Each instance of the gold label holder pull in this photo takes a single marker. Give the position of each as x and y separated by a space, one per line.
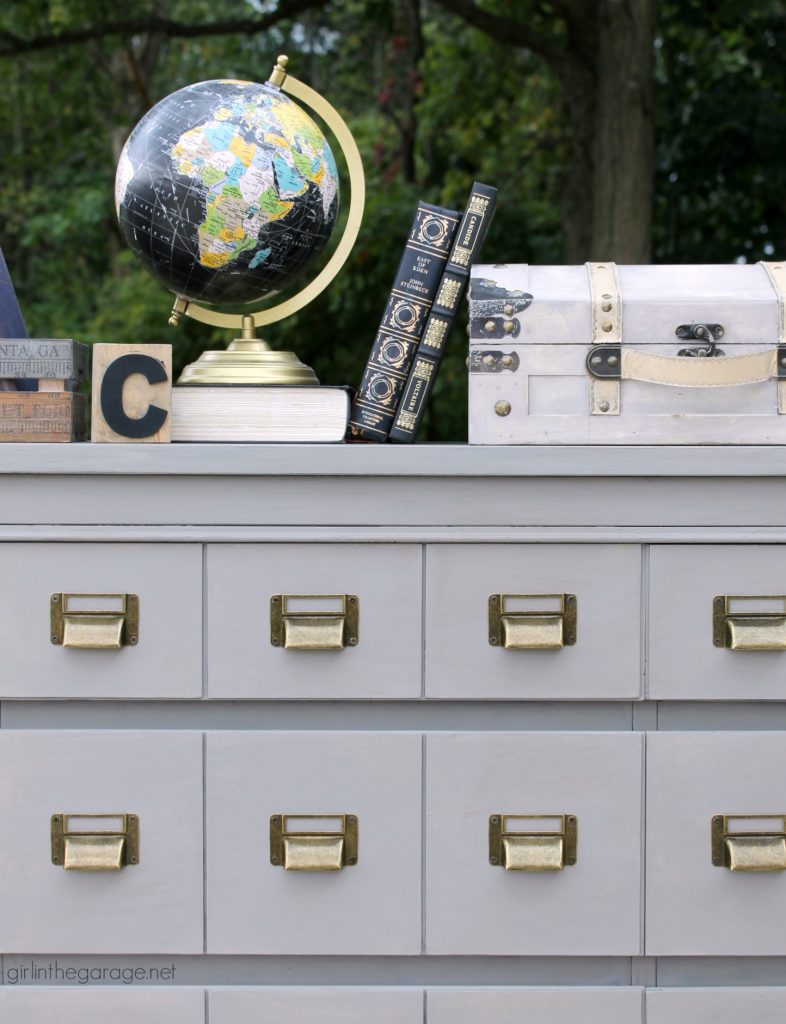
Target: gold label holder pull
749 623
94 842
313 842
533 842
531 622
749 842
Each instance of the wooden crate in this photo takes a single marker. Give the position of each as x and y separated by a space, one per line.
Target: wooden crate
32 416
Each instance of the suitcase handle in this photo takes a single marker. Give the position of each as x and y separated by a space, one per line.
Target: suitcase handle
609 362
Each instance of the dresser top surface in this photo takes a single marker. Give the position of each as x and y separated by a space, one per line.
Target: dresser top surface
422 460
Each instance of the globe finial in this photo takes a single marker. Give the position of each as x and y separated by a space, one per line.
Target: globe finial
279 74
178 310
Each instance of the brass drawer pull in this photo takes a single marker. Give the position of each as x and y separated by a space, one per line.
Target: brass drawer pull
95 842
533 842
749 842
313 842
98 622
532 622
749 623
314 622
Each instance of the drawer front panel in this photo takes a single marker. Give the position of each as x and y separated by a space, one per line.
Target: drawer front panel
685 664
604 661
316 1006
166 660
153 906
546 1006
78 1005
716 1006
372 906
243 662
590 907
694 906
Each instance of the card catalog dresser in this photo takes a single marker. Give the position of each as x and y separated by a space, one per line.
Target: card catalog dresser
341 735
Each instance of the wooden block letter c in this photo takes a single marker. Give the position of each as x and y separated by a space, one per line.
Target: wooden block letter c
117 373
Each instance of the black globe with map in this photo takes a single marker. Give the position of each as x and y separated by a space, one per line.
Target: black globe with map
225 191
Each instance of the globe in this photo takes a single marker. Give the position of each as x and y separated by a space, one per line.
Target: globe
226 191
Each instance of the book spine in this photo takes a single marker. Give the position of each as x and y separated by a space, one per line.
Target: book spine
428 246
428 355
12 323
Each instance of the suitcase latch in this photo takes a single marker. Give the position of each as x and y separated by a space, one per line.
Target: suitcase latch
708 333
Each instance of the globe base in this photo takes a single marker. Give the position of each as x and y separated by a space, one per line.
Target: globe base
250 362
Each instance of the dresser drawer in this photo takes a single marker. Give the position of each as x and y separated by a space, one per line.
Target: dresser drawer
544 1005
162 658
369 906
477 782
97 899
315 1005
466 653
685 663
716 1005
75 1004
695 906
379 657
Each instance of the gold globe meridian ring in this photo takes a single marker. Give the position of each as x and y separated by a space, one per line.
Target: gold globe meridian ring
248 360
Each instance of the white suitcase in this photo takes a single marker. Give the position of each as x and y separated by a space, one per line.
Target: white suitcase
601 354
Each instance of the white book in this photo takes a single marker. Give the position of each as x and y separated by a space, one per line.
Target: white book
260 413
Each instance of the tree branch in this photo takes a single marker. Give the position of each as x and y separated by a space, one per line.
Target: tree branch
12 45
509 30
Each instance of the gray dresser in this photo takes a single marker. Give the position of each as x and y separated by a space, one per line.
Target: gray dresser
339 734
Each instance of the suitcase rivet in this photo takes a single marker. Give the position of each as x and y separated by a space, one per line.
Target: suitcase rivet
508 326
606 307
612 360
608 326
488 360
502 408
508 361
604 406
508 310
488 326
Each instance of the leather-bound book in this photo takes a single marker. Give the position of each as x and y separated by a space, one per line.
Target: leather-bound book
414 287
428 355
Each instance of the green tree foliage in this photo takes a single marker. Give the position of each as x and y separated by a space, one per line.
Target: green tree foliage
433 103
721 179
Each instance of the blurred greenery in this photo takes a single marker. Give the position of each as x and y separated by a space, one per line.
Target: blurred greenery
434 104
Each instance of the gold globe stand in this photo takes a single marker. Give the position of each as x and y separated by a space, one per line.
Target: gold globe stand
248 359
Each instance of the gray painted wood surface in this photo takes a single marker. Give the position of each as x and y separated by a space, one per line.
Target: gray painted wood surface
165 662
83 1005
152 907
590 908
316 1006
372 907
170 496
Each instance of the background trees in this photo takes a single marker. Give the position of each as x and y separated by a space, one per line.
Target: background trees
623 129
